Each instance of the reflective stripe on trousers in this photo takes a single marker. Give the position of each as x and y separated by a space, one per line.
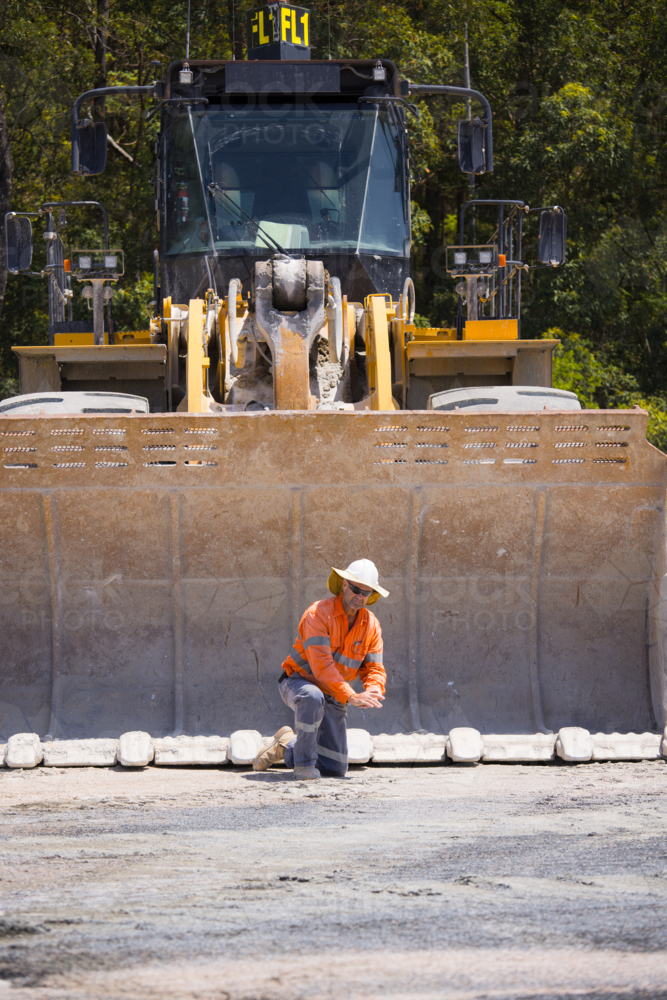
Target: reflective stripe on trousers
319 721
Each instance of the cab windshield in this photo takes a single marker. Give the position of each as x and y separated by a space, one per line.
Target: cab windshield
304 176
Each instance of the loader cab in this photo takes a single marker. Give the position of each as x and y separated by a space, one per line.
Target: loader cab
285 155
283 204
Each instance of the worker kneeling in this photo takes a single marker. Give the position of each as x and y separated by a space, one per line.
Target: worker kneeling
339 640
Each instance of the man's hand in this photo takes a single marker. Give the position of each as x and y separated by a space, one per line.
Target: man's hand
371 698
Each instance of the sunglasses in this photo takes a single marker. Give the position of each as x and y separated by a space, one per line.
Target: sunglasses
359 590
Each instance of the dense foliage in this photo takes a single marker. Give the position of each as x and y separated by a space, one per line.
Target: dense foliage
578 90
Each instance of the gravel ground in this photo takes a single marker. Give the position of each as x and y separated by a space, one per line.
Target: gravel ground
501 881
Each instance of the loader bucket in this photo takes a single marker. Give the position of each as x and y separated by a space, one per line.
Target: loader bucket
154 568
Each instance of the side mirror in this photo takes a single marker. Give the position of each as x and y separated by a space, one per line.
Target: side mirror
552 237
89 147
18 243
472 146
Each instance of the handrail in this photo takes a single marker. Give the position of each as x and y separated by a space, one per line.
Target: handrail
75 204
484 201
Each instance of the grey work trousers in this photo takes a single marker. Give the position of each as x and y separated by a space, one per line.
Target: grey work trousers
321 731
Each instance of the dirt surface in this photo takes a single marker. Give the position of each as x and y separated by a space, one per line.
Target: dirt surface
400 882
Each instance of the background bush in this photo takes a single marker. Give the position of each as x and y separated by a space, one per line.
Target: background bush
578 91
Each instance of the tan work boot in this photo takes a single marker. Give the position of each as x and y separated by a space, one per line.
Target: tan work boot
275 752
306 773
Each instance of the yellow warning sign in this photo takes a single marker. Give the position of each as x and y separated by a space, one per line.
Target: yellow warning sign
278 22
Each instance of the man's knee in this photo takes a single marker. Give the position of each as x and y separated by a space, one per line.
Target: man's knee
311 698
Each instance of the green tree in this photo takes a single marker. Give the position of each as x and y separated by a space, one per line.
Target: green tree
578 92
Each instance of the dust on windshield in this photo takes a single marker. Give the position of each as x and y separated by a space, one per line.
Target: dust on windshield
307 177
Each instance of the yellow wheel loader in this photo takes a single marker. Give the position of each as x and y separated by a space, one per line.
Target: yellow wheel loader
172 499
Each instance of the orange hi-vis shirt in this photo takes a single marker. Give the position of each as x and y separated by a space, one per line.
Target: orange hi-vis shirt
331 654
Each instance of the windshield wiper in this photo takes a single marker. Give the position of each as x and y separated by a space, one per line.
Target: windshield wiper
215 188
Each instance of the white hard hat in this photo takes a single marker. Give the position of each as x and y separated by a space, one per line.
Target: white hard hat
361 571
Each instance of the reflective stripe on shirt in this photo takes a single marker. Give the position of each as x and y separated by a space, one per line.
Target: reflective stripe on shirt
331 653
373 658
317 640
298 658
347 661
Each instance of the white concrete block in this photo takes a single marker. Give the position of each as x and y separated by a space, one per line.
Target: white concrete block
402 748
192 750
24 750
3 754
80 753
626 746
574 744
664 743
530 747
359 746
464 745
245 744
135 749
